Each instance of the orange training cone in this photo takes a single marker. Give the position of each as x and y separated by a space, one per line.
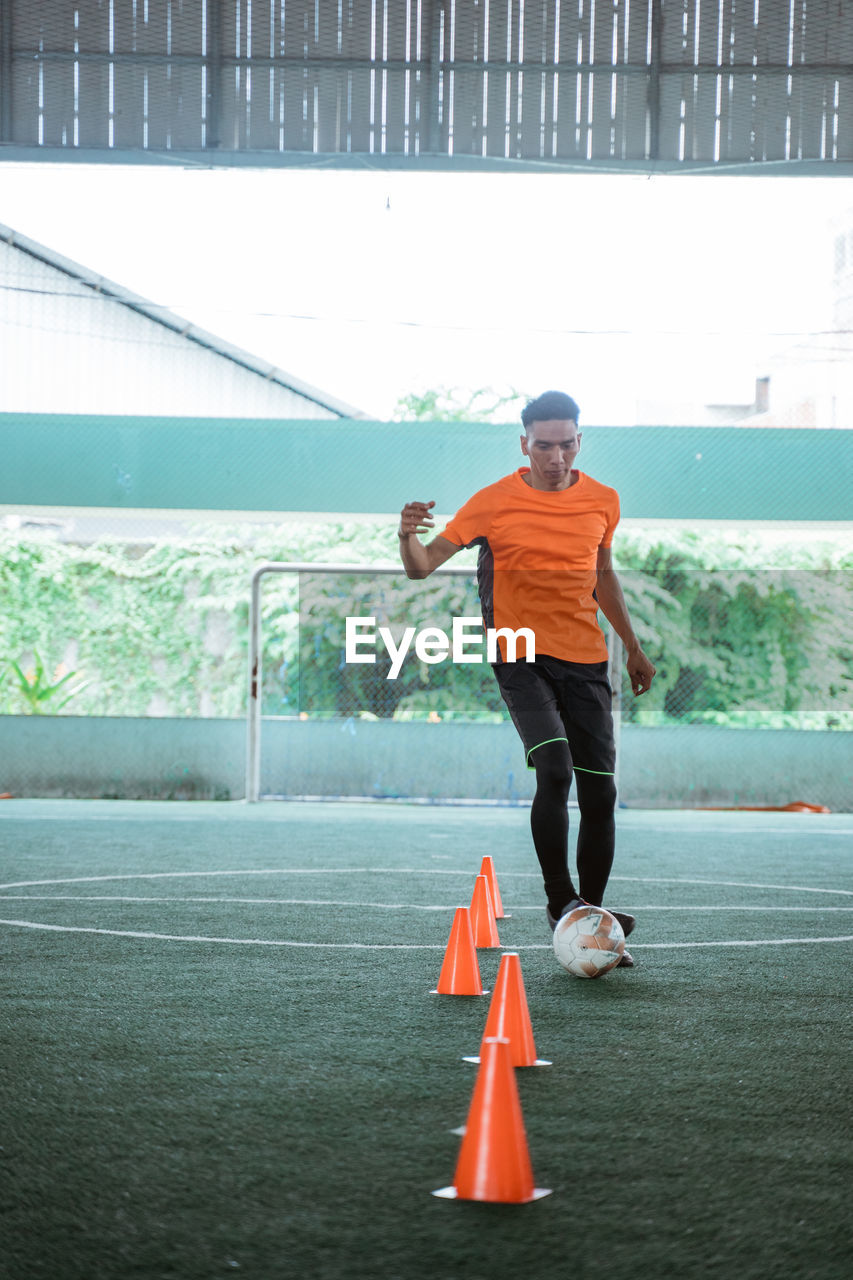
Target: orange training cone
460 972
483 915
494 1162
487 869
509 1016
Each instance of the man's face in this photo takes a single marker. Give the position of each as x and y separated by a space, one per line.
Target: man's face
551 448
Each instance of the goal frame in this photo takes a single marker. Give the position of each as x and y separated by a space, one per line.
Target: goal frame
253 716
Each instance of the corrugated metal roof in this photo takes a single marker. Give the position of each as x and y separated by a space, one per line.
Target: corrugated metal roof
551 83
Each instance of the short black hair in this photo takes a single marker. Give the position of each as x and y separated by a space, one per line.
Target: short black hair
551 404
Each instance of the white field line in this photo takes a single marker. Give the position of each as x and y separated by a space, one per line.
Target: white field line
395 946
408 871
239 942
379 906
271 902
788 823
689 832
732 884
745 942
261 871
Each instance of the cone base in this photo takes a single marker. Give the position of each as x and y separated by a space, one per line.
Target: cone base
450 1193
471 995
540 1062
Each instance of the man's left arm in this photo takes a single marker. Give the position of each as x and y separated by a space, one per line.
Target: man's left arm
611 602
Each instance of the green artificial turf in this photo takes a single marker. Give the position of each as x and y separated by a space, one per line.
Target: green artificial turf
195 1109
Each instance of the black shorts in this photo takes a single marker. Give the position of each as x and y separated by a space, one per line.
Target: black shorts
551 700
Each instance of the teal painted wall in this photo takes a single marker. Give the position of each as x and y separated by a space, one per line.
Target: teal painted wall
710 473
164 759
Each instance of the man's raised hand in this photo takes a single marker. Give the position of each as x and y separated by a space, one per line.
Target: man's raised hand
415 518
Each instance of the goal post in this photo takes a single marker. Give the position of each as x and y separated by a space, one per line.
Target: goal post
253 736
255 665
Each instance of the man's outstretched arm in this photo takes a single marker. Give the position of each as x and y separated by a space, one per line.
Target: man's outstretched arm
419 561
611 602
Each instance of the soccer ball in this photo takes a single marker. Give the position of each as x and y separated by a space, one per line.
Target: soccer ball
589 942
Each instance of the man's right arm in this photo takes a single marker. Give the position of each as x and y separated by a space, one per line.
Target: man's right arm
419 561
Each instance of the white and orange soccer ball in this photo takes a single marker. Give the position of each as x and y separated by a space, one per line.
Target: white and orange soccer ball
589 942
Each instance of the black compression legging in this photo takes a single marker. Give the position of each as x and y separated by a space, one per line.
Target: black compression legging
549 823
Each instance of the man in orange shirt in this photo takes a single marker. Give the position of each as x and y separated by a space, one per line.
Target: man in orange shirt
545 535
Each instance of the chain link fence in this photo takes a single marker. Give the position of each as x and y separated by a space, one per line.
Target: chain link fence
743 647
160 630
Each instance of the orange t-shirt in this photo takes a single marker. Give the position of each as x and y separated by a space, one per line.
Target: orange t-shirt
537 564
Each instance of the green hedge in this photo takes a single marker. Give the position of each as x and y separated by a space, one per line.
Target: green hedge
161 628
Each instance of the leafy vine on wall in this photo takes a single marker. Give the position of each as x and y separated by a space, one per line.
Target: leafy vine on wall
161 628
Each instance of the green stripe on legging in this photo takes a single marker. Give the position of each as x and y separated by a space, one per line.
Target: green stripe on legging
602 773
543 744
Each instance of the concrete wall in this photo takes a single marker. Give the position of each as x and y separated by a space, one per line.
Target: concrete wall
682 767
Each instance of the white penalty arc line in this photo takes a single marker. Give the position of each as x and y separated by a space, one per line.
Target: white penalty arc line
257 871
174 900
751 942
728 884
235 942
264 902
788 823
393 946
409 871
